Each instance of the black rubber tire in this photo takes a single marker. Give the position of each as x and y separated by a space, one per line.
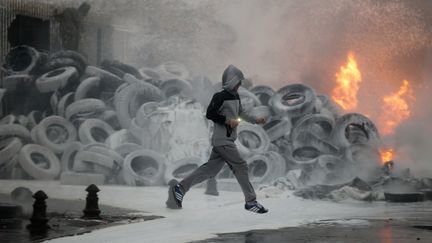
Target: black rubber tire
34 118
9 147
149 73
119 67
59 144
320 125
21 60
248 99
109 81
299 107
64 102
76 56
60 62
132 164
87 132
128 100
27 163
56 79
9 119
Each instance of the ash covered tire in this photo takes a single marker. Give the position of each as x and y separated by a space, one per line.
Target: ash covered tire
39 162
68 157
294 100
277 128
117 158
12 82
363 154
56 79
330 163
110 117
61 62
89 161
248 99
76 56
85 108
170 70
260 111
94 131
34 118
9 147
120 137
263 92
88 88
9 119
127 148
260 168
14 130
181 168
143 167
173 87
312 140
144 110
128 100
55 133
21 60
305 155
320 125
358 121
64 102
252 139
109 81
149 73
121 68
278 163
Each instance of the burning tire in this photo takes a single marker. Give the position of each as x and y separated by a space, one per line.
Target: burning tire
94 131
143 167
128 100
173 87
181 168
88 88
9 147
363 127
277 128
39 162
252 139
264 93
68 156
56 79
55 133
294 100
17 81
14 130
248 99
21 60
85 108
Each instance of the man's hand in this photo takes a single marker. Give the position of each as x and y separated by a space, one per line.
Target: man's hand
260 120
233 122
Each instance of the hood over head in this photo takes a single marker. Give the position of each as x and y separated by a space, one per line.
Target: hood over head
231 77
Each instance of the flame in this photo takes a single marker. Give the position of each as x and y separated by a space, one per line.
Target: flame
396 108
348 79
386 154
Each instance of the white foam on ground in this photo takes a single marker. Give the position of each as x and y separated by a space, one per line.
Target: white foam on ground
204 216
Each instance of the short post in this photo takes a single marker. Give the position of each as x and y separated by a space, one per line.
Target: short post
91 210
212 187
38 219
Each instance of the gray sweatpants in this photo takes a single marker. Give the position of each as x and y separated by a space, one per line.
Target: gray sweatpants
218 157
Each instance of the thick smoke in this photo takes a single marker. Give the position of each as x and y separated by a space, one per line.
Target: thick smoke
278 42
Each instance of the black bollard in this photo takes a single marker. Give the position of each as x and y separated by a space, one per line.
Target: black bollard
38 219
212 187
91 211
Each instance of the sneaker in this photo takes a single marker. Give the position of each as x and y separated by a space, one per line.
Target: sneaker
178 195
255 207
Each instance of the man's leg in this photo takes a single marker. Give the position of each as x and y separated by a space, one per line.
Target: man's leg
240 169
204 172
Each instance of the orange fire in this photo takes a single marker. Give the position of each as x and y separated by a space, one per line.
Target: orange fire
348 79
386 155
396 108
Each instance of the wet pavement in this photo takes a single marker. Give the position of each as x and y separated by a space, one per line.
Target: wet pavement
65 220
404 223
